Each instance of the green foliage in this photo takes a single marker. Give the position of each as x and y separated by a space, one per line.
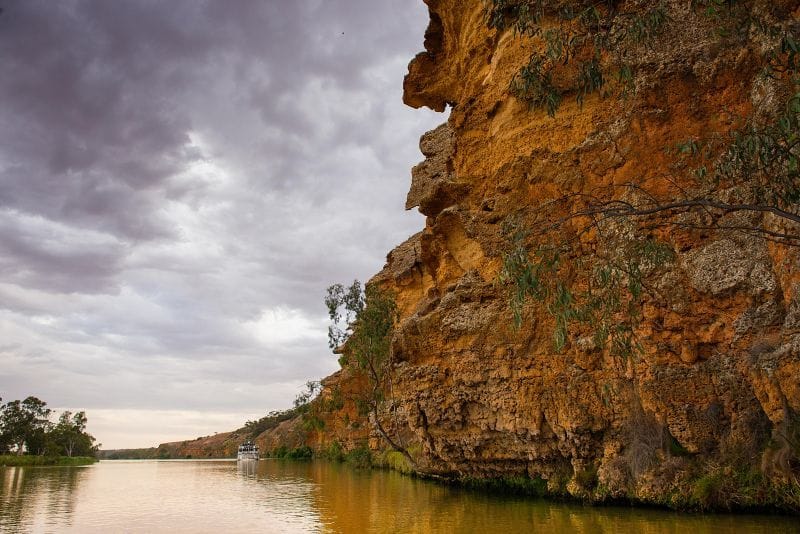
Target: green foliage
523 16
397 462
760 161
308 410
604 296
147 453
645 28
737 484
335 401
70 436
311 421
733 18
770 154
360 457
300 453
302 400
344 305
330 401
590 79
515 485
32 460
731 488
303 406
601 288
26 426
334 452
533 84
268 422
596 33
365 321
523 277
362 324
587 478
706 489
23 422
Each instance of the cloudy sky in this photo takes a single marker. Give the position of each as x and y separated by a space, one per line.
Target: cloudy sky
179 183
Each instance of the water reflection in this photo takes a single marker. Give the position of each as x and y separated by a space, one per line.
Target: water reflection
362 501
26 490
285 496
247 468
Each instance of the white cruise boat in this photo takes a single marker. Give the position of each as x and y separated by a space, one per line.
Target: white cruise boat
247 451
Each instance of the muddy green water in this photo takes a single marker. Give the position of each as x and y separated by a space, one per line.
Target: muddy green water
282 496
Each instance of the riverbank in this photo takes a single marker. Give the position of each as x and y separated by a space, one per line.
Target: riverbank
735 492
738 491
9 460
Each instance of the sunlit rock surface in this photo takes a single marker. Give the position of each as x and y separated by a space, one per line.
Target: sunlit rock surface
718 383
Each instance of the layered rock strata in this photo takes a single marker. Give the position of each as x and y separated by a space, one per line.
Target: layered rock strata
717 383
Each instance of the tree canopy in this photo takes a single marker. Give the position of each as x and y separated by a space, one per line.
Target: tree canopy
25 427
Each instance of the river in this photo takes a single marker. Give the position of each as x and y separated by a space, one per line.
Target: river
283 496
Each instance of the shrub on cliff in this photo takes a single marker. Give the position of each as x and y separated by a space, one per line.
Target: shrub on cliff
590 255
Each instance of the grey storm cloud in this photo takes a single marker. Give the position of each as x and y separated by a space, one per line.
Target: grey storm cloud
180 181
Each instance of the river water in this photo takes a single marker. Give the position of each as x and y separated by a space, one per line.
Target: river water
284 496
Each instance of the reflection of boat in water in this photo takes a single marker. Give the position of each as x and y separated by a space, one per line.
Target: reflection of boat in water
247 468
247 451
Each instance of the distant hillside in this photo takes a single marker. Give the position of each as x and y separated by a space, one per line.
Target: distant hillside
272 430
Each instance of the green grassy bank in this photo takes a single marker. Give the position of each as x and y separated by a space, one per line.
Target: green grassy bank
9 460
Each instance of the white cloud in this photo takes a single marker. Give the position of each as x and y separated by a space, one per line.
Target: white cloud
278 327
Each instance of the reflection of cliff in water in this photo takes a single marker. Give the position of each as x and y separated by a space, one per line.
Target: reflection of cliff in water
26 490
350 500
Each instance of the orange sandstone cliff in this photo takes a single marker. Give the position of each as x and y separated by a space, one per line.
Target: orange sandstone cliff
706 413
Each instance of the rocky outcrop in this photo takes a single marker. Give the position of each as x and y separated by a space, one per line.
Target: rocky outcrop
716 386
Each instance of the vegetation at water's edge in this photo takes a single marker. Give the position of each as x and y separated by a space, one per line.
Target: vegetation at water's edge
513 485
147 453
26 428
9 460
300 453
707 486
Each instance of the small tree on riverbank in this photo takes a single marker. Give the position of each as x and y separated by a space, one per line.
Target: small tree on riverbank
70 436
362 324
21 421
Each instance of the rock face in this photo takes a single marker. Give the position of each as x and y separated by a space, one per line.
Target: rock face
717 383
